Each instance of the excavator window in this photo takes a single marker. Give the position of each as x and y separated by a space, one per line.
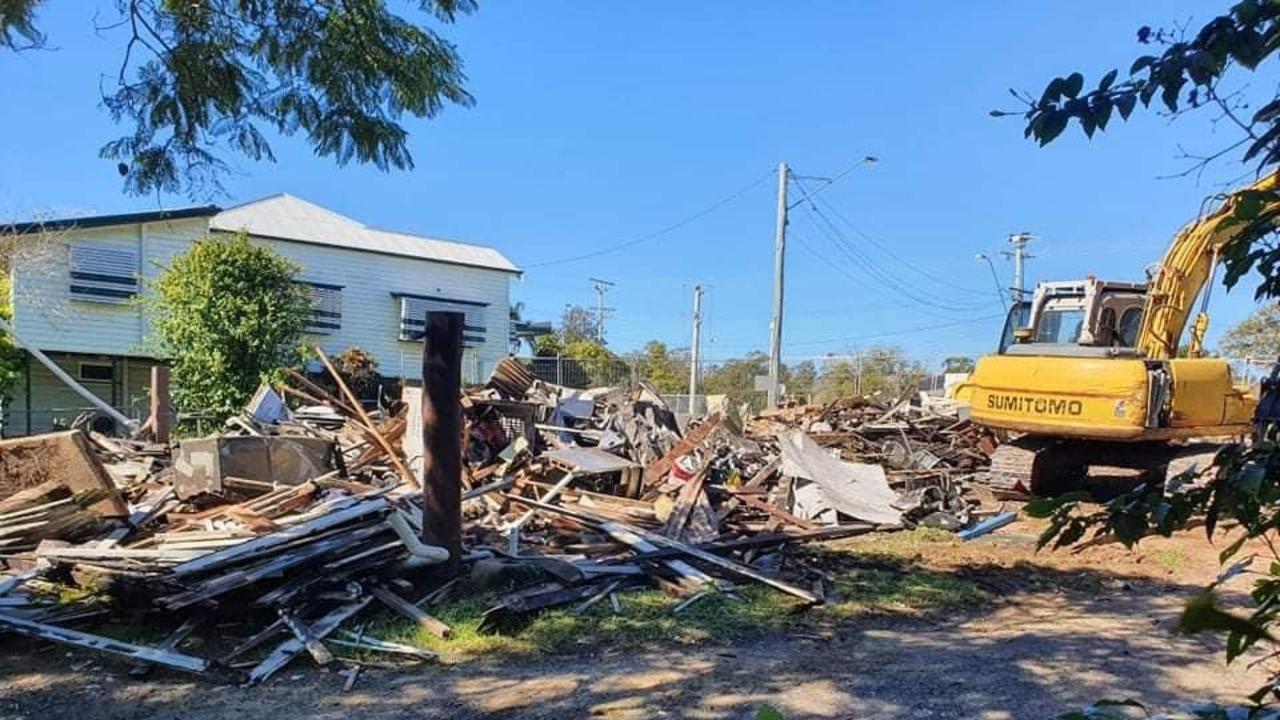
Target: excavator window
1060 326
1127 330
1019 315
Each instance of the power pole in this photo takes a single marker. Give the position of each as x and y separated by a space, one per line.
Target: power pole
601 287
779 266
697 342
1019 254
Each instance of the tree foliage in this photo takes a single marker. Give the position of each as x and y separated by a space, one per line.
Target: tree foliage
11 359
229 316
1192 72
579 323
884 370
802 380
199 79
1257 336
736 378
575 338
665 371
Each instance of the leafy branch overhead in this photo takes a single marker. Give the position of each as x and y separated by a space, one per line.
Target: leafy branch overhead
1185 76
199 80
1189 76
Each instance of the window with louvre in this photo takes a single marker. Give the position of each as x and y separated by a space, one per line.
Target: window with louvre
103 273
413 316
326 308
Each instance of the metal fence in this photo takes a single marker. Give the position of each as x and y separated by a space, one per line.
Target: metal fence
583 373
1249 370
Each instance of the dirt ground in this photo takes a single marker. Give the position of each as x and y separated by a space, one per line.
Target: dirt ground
1058 631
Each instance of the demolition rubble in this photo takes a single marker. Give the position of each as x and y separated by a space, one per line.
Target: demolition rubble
282 535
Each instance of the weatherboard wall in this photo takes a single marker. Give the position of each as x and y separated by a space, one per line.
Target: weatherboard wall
46 315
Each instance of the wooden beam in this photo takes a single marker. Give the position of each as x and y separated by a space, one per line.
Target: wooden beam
392 455
411 611
67 636
659 468
290 648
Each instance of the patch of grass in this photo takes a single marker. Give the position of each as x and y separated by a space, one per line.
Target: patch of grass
881 589
1171 559
647 618
907 543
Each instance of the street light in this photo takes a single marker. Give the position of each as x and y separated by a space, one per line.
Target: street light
995 279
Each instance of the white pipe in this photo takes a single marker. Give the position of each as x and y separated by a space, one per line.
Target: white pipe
431 554
62 375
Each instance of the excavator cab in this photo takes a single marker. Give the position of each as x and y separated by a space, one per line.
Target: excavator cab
1086 318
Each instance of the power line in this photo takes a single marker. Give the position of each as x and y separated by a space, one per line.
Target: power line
910 266
886 277
906 331
892 333
658 233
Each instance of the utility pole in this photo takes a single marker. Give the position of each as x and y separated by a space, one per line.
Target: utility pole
697 342
1019 254
779 265
601 287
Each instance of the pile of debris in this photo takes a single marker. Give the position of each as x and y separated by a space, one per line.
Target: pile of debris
930 452
269 538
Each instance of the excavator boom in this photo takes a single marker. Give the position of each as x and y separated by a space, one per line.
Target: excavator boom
1186 267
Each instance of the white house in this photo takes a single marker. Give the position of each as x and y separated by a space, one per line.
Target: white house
76 283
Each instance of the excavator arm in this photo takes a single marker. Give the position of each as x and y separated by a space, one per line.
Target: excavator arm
1188 264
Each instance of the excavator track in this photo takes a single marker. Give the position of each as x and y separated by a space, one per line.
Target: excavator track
1035 465
1045 466
1013 464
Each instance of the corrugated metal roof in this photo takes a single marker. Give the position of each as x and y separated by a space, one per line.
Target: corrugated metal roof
287 217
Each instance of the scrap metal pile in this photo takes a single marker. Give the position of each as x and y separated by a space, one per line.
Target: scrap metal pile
278 537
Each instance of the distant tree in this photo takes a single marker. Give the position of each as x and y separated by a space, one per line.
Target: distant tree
229 316
802 380
958 364
579 323
199 79
587 349
658 366
736 378
878 370
1257 336
576 336
1194 71
548 345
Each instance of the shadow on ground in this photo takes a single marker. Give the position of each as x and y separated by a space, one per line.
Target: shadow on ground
1046 640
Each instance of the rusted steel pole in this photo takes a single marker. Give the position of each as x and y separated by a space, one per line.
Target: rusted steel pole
160 404
441 433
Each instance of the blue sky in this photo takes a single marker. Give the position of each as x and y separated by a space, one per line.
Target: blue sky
600 123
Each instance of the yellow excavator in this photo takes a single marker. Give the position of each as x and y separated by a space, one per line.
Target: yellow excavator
1089 373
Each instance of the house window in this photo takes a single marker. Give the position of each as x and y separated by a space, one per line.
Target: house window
103 273
413 316
326 308
97 372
